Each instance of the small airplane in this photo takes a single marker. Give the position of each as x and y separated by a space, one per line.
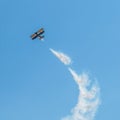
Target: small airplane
38 34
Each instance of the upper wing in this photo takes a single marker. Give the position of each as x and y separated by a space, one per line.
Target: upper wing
41 31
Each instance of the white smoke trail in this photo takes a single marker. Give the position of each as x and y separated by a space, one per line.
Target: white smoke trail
62 57
88 100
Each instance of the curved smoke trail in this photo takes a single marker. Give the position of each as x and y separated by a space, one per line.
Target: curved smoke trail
88 99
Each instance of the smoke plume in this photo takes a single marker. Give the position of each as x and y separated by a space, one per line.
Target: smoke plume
62 57
88 99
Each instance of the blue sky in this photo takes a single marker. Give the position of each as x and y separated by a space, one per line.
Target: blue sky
34 84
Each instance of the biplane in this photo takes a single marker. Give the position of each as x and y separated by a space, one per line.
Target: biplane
38 34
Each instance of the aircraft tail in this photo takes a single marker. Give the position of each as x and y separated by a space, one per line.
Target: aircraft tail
41 37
